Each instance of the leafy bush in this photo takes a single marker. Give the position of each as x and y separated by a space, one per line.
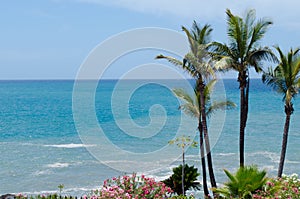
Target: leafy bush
245 182
190 177
285 187
129 187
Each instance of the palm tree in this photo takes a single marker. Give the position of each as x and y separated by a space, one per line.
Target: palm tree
243 52
197 64
285 79
192 107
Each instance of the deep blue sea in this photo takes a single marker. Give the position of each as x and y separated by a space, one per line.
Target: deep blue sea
54 132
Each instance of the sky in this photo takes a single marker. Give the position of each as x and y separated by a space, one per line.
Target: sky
51 39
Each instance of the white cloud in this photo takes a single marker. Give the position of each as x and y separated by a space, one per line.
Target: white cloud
282 12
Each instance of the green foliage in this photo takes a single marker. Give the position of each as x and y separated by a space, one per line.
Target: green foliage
285 187
132 187
191 105
243 50
245 182
190 177
61 187
285 77
183 142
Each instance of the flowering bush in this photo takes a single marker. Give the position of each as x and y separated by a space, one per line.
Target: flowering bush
286 187
132 187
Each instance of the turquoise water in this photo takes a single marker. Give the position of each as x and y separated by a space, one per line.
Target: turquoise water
41 148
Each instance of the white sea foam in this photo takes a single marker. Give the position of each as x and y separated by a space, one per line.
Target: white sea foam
292 162
274 157
58 165
72 145
75 191
226 154
43 172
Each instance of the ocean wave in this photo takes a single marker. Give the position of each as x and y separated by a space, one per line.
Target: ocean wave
274 157
292 162
69 146
43 172
58 165
226 154
75 191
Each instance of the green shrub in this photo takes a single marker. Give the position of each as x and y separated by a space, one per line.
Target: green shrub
285 187
190 177
245 182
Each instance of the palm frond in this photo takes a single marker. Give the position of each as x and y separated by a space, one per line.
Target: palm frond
219 50
201 35
285 77
172 60
182 94
255 57
190 106
222 105
209 88
190 110
222 55
191 39
258 32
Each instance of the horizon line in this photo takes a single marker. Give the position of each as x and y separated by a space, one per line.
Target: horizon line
69 79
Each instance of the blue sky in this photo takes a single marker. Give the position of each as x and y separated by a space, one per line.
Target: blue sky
50 39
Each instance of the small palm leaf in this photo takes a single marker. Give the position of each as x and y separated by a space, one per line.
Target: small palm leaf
172 60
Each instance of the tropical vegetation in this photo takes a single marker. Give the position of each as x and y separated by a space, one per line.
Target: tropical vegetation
198 65
285 79
132 187
182 142
240 54
244 183
284 187
190 179
205 58
191 106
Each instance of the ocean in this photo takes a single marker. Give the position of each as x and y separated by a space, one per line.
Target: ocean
65 132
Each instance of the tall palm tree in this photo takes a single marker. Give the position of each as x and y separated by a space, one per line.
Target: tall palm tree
197 64
285 79
191 106
241 53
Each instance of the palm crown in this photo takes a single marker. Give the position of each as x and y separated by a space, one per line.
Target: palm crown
243 50
285 78
191 105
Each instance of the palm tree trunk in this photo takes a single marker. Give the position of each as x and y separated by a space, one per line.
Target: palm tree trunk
243 114
182 174
288 111
203 163
206 138
246 100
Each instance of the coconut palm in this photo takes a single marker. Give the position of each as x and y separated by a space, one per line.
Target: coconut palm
241 53
285 79
197 64
191 107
